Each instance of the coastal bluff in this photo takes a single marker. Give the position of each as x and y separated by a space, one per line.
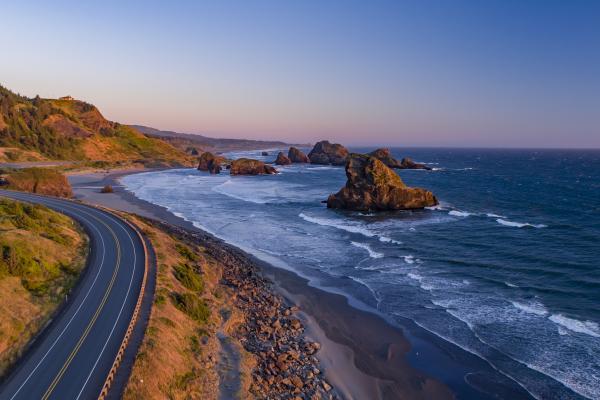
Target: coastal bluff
373 186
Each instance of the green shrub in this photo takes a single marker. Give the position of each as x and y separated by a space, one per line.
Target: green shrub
192 306
188 277
186 252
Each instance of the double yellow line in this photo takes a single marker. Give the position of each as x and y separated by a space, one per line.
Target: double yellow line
92 321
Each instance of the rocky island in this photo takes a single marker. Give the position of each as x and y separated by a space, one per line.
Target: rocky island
373 186
328 153
385 157
211 163
282 159
248 166
297 156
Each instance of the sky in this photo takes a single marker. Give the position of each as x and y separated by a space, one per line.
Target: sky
510 73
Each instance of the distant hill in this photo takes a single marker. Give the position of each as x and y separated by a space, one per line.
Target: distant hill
192 143
68 129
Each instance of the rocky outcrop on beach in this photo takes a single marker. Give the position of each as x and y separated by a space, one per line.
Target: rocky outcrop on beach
385 157
264 153
211 163
408 163
328 153
282 159
286 361
297 156
249 166
372 186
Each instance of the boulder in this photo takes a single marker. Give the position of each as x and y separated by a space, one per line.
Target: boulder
248 166
282 159
385 157
408 163
264 153
372 186
328 153
297 156
211 163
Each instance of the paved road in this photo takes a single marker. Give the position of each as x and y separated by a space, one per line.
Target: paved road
73 357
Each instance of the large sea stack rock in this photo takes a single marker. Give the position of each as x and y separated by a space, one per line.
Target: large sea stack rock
372 186
385 157
282 159
297 156
408 163
327 153
248 166
211 163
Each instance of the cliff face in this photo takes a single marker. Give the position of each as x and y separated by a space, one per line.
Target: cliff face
76 130
328 153
372 186
39 180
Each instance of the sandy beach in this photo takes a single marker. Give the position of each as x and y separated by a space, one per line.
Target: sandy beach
362 354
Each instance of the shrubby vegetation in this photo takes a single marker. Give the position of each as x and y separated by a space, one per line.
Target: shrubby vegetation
41 256
76 130
23 119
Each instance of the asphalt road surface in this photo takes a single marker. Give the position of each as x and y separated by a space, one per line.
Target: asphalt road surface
74 354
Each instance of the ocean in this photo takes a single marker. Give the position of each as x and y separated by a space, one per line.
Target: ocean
506 267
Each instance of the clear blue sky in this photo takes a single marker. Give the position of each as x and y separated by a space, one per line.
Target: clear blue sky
433 73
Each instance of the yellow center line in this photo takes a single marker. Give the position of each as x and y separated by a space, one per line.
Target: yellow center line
92 321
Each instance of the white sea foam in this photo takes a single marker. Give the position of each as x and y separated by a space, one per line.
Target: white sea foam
386 239
586 327
457 213
360 229
531 308
364 246
409 259
518 224
415 276
492 215
510 284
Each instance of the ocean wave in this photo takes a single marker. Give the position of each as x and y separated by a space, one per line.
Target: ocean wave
364 246
514 224
531 308
386 239
415 276
335 224
457 213
409 259
492 215
586 327
510 284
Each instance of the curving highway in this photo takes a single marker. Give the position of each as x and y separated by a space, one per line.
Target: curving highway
74 355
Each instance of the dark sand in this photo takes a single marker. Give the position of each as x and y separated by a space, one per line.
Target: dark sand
363 355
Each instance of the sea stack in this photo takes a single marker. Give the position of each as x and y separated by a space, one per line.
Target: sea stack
248 166
328 153
209 162
385 157
297 156
408 163
282 159
372 186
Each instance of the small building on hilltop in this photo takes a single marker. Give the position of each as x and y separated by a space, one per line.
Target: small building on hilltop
66 98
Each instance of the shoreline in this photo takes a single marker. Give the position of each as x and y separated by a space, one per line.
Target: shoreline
363 355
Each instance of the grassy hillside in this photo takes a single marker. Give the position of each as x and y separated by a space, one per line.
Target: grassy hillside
75 130
41 255
39 180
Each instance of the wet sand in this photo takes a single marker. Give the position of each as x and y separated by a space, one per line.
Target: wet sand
363 355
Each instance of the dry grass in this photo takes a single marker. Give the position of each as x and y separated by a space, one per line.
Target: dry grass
177 359
14 154
40 180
